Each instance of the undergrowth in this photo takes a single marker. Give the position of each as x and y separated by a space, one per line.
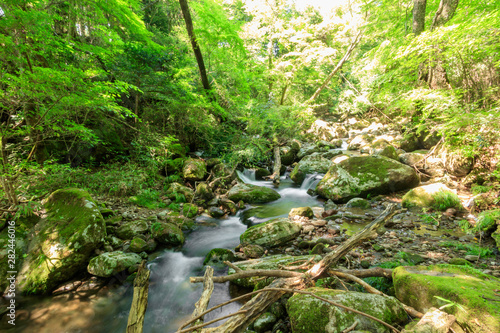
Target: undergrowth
471 249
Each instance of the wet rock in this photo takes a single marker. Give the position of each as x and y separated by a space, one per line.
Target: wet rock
359 203
308 165
130 229
264 323
218 256
63 241
138 245
417 286
111 263
359 176
194 169
311 315
272 233
167 234
252 193
216 212
252 251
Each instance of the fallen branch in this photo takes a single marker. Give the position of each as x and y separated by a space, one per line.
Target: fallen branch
139 301
249 273
208 288
289 280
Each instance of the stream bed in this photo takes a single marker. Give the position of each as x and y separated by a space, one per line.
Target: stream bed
171 295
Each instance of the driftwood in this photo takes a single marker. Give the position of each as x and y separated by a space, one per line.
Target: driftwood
208 288
275 177
139 301
293 280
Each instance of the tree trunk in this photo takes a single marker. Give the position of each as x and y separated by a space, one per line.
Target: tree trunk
194 43
337 68
277 166
445 12
140 300
419 16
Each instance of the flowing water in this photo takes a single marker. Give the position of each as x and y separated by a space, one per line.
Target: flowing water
171 295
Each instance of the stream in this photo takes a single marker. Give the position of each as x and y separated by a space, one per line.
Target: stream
171 295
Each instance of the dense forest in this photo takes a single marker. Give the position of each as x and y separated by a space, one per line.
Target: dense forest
119 98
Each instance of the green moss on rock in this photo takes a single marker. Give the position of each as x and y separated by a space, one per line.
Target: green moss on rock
271 233
132 228
311 315
359 176
167 234
308 165
194 169
218 256
437 196
111 263
471 289
252 194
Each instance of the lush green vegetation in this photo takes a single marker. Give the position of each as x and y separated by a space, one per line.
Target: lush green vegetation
107 95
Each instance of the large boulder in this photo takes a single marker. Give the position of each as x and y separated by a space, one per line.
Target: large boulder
194 169
310 164
167 233
311 315
437 196
359 176
132 228
271 233
62 242
111 263
252 194
266 263
472 290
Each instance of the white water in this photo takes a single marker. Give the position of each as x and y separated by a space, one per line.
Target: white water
311 181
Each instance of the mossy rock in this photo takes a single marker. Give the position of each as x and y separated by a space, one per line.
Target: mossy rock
417 286
216 212
272 233
203 191
229 205
358 203
302 211
182 222
189 210
129 229
167 233
358 176
496 237
288 155
360 141
111 263
138 245
387 151
176 192
194 169
488 220
252 193
218 256
412 158
211 162
260 173
437 196
308 165
270 262
252 251
63 241
264 323
311 315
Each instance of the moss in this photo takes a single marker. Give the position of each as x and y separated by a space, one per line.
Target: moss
189 210
218 256
466 286
252 194
194 169
271 233
167 233
488 220
437 196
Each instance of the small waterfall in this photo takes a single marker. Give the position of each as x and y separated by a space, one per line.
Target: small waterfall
344 144
311 181
247 176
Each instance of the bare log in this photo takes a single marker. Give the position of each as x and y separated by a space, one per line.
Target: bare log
208 288
364 273
139 301
249 273
275 177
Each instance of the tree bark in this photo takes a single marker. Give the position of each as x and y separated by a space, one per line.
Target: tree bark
337 68
194 43
419 16
277 166
445 12
139 301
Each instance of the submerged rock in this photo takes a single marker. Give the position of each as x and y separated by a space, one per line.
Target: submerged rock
271 233
308 165
73 229
311 315
359 176
474 291
111 263
252 193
